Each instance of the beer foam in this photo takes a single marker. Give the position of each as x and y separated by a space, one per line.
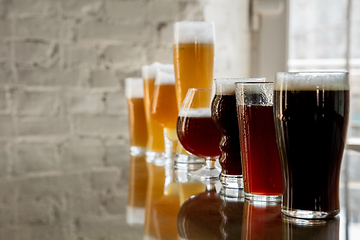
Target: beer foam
149 71
195 112
165 78
226 86
307 81
194 32
134 88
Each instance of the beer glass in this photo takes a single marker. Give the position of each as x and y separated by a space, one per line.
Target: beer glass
197 132
155 142
193 53
164 107
311 112
223 113
134 92
259 152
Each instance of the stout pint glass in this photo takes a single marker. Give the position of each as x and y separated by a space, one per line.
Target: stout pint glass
311 112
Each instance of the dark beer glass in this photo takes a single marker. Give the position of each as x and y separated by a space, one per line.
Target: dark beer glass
311 112
259 152
197 132
223 113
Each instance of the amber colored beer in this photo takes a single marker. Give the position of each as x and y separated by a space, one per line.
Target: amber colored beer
164 108
198 134
137 122
155 142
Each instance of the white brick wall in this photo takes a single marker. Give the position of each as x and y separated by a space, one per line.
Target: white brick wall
63 118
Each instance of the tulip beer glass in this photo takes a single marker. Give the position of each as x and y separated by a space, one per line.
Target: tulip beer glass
311 112
197 132
259 152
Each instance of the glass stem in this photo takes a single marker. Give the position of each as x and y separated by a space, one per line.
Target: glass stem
210 163
170 142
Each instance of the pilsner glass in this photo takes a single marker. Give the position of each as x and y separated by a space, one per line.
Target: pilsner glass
259 152
311 112
134 92
155 142
193 53
223 113
197 132
164 108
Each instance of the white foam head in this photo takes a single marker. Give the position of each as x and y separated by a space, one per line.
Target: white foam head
134 88
194 32
165 77
226 86
149 71
195 112
311 81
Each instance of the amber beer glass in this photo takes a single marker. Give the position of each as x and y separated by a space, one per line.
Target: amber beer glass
311 112
134 92
155 143
164 108
197 132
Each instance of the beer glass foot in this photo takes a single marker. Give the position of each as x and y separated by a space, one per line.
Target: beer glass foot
231 181
307 214
137 151
231 194
263 198
156 158
205 174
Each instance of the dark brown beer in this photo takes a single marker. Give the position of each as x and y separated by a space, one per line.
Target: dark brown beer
223 113
311 130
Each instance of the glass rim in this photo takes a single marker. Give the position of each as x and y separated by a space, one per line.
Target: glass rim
200 89
239 79
251 83
313 73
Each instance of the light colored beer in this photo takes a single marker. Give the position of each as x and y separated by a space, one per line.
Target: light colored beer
134 92
155 141
193 53
164 106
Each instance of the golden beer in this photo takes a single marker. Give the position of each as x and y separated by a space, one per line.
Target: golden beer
155 141
193 53
134 92
194 64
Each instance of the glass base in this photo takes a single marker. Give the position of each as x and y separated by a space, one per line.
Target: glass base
181 171
205 174
231 181
156 158
232 194
306 214
263 198
137 151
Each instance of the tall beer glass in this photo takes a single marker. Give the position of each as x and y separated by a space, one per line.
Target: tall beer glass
311 112
164 108
193 53
134 92
259 152
197 132
155 142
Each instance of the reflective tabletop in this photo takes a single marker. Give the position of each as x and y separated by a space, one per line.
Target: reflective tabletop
135 199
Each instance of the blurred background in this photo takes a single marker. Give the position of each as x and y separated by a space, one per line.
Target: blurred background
62 104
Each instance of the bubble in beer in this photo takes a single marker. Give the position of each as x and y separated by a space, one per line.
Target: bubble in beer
134 88
311 81
195 113
194 32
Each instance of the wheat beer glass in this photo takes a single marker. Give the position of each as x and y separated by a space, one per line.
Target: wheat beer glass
311 112
164 107
155 143
197 132
134 92
259 153
193 53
